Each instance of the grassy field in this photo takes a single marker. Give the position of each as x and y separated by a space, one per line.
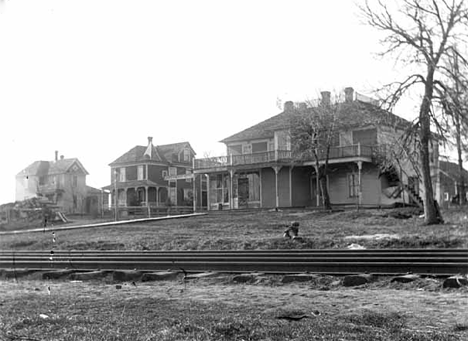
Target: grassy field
217 309
258 230
220 309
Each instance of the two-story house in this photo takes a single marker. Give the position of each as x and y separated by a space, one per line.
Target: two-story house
261 170
63 182
154 176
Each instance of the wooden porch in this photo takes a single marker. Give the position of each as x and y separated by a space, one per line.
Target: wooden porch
356 152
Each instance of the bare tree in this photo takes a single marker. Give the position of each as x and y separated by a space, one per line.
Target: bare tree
455 106
422 33
313 133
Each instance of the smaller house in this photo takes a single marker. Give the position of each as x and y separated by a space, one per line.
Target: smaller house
155 176
450 183
63 182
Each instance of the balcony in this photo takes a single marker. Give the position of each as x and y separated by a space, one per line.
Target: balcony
244 159
336 153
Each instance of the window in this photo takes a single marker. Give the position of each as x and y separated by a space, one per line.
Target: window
186 155
164 173
235 149
353 185
366 137
42 180
74 181
247 149
219 188
271 146
172 171
173 192
188 195
122 176
188 173
259 147
446 196
282 140
141 172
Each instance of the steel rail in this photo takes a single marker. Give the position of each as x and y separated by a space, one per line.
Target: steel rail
397 261
287 253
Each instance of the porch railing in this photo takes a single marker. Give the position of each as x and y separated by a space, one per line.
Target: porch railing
355 150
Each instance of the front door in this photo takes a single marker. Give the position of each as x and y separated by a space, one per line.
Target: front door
243 192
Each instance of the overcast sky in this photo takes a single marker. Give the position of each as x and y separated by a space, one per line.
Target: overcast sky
92 79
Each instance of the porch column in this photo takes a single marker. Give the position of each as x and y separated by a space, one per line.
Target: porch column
147 201
116 197
231 187
201 191
359 164
207 192
261 188
116 204
277 169
157 196
290 185
317 184
194 192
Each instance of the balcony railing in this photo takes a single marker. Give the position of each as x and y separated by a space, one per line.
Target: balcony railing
283 155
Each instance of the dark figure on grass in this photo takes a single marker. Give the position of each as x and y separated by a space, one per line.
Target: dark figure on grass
292 231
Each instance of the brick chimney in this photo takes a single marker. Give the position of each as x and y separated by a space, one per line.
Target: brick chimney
325 97
56 155
349 94
288 106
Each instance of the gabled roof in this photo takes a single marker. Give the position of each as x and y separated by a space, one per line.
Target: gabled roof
161 153
265 129
137 154
174 148
65 165
42 168
350 115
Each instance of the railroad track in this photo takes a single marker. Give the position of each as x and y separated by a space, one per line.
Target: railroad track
439 262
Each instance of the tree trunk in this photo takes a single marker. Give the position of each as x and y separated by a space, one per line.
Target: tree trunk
324 189
461 191
431 211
